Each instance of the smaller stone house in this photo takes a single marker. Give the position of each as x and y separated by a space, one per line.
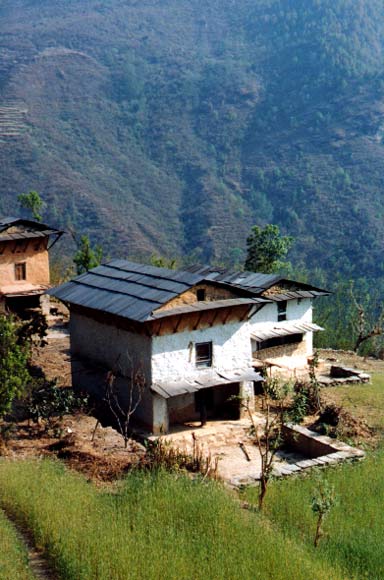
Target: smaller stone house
24 263
199 335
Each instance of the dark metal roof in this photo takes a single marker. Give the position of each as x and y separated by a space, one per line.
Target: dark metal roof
257 283
136 291
126 289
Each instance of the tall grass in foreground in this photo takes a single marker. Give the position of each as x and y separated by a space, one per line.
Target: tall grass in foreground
355 527
154 525
13 555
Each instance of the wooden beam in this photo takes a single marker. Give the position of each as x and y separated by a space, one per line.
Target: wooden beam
176 328
215 317
226 317
198 320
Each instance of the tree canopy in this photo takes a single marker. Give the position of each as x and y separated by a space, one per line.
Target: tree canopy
266 249
32 202
87 257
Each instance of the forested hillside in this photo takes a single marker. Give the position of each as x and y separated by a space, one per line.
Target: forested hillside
172 126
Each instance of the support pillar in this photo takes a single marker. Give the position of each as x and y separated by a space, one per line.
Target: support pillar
160 415
247 395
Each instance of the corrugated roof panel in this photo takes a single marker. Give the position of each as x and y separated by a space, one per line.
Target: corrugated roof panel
205 380
136 290
155 272
284 329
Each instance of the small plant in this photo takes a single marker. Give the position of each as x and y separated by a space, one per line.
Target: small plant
161 454
314 383
323 500
48 403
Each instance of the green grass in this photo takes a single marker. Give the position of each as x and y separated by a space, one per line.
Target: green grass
355 527
150 526
13 555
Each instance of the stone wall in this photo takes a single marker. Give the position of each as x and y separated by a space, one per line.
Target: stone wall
295 350
212 293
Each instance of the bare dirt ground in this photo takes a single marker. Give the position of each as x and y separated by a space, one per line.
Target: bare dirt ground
99 454
350 359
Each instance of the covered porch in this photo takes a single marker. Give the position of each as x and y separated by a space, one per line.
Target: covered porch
211 396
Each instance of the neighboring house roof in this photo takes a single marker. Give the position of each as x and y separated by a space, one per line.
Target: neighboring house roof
136 291
24 229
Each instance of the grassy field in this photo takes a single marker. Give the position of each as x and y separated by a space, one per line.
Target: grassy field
13 556
354 530
149 527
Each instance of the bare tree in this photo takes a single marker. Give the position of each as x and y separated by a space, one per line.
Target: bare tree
269 434
363 327
122 412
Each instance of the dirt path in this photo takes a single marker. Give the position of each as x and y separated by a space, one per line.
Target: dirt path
38 564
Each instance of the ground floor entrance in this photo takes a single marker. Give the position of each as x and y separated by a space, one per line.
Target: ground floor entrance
218 402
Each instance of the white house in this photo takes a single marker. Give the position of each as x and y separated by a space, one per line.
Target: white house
199 335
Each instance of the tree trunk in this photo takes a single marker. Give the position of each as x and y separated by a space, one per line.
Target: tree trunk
319 532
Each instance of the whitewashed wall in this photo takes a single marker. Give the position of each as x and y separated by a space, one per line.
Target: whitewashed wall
173 356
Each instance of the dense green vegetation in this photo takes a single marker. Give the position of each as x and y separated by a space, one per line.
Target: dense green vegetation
14 375
173 126
150 526
13 556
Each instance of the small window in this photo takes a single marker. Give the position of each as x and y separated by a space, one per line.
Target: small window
21 271
200 294
281 311
203 354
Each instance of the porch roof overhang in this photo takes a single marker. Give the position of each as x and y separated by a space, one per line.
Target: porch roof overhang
205 380
284 329
15 290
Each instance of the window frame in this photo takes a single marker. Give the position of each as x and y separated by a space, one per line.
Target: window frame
204 360
282 307
20 269
201 294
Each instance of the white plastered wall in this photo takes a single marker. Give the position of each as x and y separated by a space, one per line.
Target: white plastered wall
173 355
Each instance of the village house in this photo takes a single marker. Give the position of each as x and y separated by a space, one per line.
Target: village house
201 336
24 264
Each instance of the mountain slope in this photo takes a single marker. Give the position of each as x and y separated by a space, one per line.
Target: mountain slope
173 126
